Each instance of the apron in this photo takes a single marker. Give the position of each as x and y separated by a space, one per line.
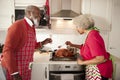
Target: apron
25 55
92 73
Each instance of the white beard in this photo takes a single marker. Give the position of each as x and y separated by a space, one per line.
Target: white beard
36 23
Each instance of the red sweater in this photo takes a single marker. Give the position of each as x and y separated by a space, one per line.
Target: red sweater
94 46
15 39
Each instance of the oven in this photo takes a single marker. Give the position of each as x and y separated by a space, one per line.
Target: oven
66 72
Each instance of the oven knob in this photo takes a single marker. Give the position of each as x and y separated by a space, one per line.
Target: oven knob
75 67
59 68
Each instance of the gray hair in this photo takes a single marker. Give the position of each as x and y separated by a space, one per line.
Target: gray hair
30 8
85 21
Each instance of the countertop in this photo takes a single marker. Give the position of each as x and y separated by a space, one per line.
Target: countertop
44 58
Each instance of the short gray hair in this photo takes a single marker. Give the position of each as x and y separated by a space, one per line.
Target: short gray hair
30 8
85 21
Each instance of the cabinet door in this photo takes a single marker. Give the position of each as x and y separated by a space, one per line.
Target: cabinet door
117 71
86 6
2 77
23 3
40 72
55 6
114 42
6 13
101 12
76 6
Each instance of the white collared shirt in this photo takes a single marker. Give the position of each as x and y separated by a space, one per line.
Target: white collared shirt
29 21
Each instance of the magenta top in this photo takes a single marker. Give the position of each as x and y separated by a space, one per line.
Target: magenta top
94 46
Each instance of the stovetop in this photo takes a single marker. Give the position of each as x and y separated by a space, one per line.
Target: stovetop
55 58
63 59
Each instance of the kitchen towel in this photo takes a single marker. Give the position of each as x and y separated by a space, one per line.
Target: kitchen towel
67 77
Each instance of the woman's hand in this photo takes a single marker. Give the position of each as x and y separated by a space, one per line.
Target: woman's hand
80 61
68 43
96 60
72 45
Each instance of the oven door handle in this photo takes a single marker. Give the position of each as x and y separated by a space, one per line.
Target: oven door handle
45 72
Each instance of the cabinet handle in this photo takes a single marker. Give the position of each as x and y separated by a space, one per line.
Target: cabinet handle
45 72
112 48
12 18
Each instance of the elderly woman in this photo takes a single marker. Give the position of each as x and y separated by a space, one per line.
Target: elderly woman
93 52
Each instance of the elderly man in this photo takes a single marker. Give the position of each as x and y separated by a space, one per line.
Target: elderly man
20 44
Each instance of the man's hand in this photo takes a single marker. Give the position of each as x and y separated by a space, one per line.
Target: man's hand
48 40
17 77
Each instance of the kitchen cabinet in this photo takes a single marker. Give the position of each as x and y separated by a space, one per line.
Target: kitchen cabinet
116 70
40 72
55 6
40 66
76 6
23 3
6 13
86 6
2 77
100 10
116 67
114 43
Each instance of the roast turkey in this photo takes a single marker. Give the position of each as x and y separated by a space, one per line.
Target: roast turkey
63 53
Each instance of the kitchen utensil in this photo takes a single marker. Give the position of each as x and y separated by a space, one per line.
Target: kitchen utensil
61 45
72 49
